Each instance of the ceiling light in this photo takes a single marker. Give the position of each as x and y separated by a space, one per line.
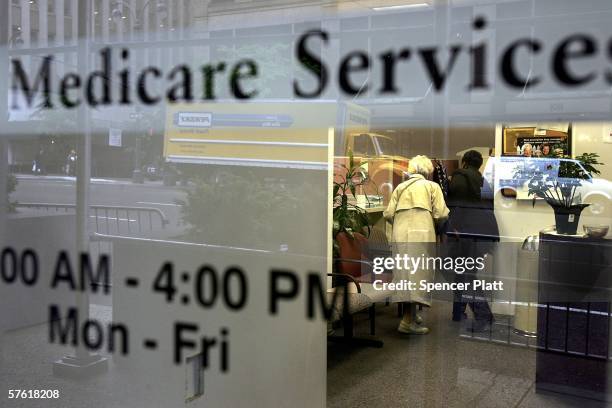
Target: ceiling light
401 7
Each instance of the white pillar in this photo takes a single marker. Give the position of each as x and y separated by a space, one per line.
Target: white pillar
106 23
180 26
145 26
132 24
60 20
9 22
181 10
26 24
43 23
74 10
125 23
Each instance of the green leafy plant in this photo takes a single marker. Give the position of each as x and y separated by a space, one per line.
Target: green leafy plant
558 185
273 62
588 160
349 218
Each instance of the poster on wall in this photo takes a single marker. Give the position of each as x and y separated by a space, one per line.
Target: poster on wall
543 146
114 137
537 140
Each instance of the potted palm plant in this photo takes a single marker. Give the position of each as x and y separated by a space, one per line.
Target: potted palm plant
351 225
559 186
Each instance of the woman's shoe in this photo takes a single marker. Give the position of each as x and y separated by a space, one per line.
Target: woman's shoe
418 319
411 328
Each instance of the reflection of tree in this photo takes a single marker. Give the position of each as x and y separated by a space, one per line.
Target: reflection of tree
59 125
273 62
248 211
57 133
55 121
151 140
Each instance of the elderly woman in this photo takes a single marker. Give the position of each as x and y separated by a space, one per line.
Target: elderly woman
416 206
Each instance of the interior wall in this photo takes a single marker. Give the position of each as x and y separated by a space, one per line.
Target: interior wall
431 141
588 137
518 219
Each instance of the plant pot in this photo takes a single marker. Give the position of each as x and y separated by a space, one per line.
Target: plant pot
566 218
351 248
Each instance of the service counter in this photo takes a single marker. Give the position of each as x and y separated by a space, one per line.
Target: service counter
376 218
574 288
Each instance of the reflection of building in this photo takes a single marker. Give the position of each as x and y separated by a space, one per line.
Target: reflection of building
421 119
417 114
47 23
50 26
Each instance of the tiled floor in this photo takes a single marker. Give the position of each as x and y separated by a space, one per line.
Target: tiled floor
446 368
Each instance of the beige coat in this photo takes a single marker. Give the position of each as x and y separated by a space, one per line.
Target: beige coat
415 206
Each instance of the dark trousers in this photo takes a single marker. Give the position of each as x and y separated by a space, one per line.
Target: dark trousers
475 298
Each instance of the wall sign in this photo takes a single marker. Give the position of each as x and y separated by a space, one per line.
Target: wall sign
537 140
114 137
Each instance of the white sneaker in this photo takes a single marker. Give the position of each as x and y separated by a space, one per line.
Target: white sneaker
411 328
418 319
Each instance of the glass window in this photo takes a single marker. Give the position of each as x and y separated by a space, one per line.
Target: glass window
363 145
183 223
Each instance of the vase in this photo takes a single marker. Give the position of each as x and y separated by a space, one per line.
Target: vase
566 218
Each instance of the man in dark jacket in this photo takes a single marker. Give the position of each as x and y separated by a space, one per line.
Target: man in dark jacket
472 231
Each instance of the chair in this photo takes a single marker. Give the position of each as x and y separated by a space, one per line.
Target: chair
358 294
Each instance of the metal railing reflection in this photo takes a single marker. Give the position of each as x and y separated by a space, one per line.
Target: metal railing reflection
112 219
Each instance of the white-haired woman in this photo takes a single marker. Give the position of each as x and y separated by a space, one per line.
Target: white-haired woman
416 206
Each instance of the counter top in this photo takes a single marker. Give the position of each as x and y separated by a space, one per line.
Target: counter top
554 235
376 209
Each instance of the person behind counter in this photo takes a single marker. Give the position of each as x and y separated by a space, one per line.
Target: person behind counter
414 209
527 150
471 231
545 150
